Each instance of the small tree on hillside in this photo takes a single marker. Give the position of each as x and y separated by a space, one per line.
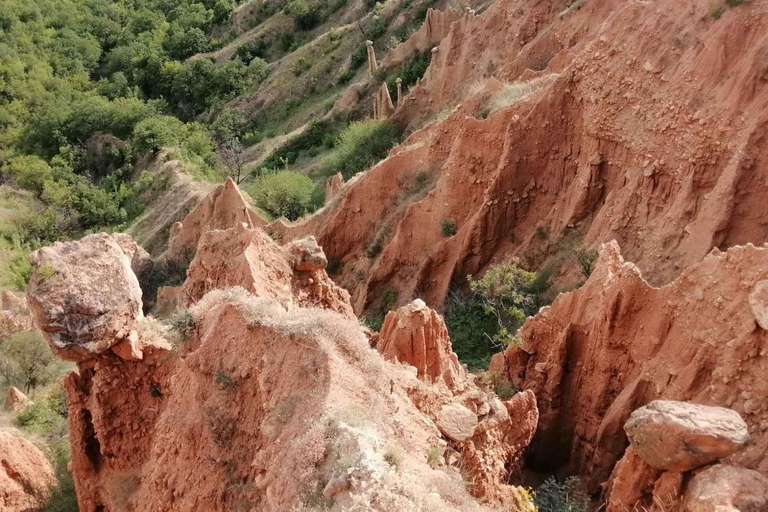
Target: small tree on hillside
504 292
27 361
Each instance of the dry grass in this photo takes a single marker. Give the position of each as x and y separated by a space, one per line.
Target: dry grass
513 93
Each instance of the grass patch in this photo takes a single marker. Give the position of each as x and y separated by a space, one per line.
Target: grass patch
361 145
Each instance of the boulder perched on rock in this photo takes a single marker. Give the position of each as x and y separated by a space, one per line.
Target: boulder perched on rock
84 295
680 436
26 476
15 400
417 335
724 488
457 422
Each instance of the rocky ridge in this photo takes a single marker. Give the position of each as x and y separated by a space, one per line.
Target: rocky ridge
569 125
597 355
259 397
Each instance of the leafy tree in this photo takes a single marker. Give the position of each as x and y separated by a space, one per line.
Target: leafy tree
285 194
154 133
306 15
586 260
503 291
26 359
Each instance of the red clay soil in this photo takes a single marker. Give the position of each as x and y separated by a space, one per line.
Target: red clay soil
270 398
626 121
615 344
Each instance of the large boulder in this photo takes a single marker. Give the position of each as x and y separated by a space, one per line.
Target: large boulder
417 335
84 295
457 422
723 488
26 476
680 436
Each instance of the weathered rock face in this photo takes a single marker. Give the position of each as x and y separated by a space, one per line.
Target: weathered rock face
84 295
293 275
261 403
758 300
417 335
678 436
223 208
15 400
333 186
26 476
616 344
723 488
588 155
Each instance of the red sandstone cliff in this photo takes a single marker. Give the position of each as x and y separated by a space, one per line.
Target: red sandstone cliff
600 352
267 395
625 120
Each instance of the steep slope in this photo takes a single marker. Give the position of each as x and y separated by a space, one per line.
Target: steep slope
267 394
573 125
617 343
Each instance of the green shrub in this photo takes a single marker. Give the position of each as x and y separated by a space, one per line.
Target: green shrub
285 194
300 66
157 132
306 15
569 496
471 329
734 3
255 48
448 228
20 272
586 260
361 145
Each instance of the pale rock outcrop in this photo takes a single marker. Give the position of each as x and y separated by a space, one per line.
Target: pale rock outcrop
616 344
680 436
724 488
15 400
417 335
84 295
26 476
435 28
373 66
333 186
457 422
382 103
293 275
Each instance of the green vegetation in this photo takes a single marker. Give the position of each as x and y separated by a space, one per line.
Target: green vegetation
448 228
569 496
361 145
586 260
26 362
486 319
409 73
286 194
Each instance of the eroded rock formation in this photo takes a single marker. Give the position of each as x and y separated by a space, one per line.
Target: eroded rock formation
599 353
417 335
271 396
26 476
224 208
570 126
